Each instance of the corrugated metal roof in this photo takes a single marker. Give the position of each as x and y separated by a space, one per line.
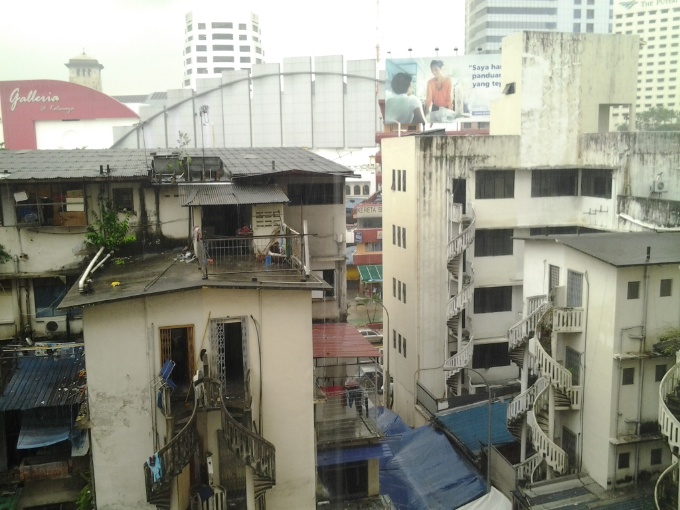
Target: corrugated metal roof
78 164
371 274
227 193
44 381
341 340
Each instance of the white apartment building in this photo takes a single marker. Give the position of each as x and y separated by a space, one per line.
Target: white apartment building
220 39
453 208
488 21
657 23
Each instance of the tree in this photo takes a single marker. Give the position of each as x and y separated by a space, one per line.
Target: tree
109 231
657 118
4 255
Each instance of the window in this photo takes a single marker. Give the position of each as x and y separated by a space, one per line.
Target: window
202 60
404 347
394 234
493 299
399 236
244 60
628 376
403 293
394 287
122 199
50 204
574 289
493 242
554 183
633 290
399 343
596 183
244 48
573 364
624 460
357 189
399 291
223 47
329 278
403 237
222 25
366 190
659 372
554 278
201 26
6 302
223 59
665 287
201 47
490 355
394 338
394 179
569 442
242 26
47 294
495 184
242 37
403 188
201 37
655 456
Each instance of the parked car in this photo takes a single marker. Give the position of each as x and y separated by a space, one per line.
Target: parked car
371 335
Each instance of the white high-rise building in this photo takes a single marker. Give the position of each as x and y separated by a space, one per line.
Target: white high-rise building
488 21
220 39
657 22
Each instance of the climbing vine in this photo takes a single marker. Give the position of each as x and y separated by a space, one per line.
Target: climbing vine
4 255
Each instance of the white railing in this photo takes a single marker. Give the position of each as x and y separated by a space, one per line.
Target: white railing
555 456
567 320
525 400
575 394
519 333
525 470
459 360
670 426
558 375
533 302
459 243
458 302
663 484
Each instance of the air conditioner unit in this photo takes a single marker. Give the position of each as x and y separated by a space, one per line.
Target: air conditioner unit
659 186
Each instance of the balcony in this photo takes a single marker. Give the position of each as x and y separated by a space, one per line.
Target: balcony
287 252
567 320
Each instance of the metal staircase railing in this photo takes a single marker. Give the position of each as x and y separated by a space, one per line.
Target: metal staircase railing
253 450
520 332
554 456
666 488
558 375
525 470
458 302
459 361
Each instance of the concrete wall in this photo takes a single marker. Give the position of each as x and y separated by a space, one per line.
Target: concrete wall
123 357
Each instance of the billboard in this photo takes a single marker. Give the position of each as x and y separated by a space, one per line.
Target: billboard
442 92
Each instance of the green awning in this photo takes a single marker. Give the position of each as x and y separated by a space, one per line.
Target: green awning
370 274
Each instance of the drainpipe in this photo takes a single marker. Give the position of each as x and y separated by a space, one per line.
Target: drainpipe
83 279
645 302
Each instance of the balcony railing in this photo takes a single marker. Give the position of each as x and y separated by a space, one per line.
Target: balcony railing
286 250
534 302
520 332
670 426
555 456
460 360
525 470
567 320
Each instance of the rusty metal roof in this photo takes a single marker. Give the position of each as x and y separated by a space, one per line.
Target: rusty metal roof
45 381
341 340
227 193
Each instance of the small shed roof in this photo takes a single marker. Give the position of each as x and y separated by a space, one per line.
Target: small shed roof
341 340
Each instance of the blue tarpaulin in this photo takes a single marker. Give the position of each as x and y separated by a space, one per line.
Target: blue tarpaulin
425 471
345 455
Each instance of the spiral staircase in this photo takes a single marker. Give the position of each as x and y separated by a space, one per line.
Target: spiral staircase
666 490
251 449
461 234
553 383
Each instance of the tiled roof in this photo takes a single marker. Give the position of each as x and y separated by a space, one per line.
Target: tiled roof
341 340
226 193
44 381
127 163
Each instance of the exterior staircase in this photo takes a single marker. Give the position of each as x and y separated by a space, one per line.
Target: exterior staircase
554 379
666 490
462 234
252 450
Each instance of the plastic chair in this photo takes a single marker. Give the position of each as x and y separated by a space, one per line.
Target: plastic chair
165 372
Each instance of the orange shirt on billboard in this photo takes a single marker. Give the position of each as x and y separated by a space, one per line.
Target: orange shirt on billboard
439 94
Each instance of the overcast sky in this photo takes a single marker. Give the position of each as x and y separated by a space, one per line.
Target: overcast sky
139 42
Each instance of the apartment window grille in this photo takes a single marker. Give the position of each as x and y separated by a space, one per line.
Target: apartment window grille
574 289
494 184
633 290
490 355
493 242
665 287
50 204
659 372
493 299
554 183
122 199
624 460
572 363
596 183
628 376
554 277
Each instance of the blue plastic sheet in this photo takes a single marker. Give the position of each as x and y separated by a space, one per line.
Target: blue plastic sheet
425 471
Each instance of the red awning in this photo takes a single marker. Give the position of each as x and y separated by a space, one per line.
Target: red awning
341 340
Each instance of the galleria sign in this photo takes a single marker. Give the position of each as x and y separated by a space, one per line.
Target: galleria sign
32 97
